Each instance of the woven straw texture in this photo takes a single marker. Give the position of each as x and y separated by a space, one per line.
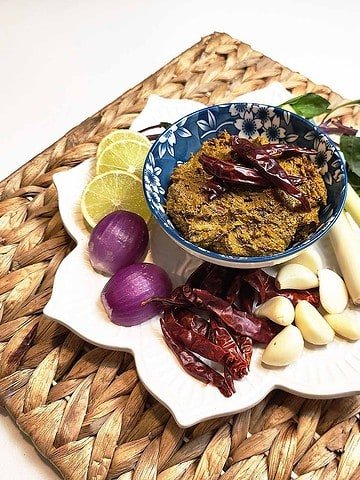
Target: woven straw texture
83 407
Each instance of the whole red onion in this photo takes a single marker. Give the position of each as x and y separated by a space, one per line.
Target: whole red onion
118 240
124 294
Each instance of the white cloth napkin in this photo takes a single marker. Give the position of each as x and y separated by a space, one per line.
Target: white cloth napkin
160 109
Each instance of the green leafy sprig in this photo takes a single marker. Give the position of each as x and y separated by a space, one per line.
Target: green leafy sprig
309 105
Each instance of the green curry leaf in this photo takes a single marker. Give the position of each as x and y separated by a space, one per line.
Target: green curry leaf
309 105
354 181
350 146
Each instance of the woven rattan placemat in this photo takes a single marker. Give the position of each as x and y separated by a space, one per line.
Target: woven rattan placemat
83 407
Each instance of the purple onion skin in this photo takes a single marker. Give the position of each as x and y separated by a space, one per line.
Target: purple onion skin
118 240
124 293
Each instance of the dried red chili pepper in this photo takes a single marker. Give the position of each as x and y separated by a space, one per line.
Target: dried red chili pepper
213 278
176 298
246 348
217 280
261 282
244 323
265 286
258 329
220 348
194 366
195 342
226 172
192 321
240 294
214 188
282 150
198 275
229 379
246 300
221 336
232 172
269 168
233 293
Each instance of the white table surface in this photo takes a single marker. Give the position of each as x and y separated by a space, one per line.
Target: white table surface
63 60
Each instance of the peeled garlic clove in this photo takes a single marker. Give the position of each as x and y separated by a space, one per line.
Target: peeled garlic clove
344 325
310 259
285 348
333 293
296 276
278 309
313 326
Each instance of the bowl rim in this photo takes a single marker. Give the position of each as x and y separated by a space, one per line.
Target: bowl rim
177 236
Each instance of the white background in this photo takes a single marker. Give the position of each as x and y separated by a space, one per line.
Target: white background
62 60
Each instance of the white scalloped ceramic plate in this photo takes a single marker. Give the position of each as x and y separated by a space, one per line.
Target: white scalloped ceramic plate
321 372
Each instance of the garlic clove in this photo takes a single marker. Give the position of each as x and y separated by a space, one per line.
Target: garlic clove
344 325
333 292
296 276
309 258
278 309
313 326
285 348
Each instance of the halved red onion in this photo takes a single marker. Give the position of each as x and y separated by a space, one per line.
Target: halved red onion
125 292
118 240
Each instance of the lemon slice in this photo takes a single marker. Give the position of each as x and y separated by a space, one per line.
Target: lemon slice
127 155
110 191
121 134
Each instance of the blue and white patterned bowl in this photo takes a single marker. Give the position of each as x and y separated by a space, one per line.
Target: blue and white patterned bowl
248 120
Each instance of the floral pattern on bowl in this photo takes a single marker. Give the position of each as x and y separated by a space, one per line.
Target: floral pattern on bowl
248 120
